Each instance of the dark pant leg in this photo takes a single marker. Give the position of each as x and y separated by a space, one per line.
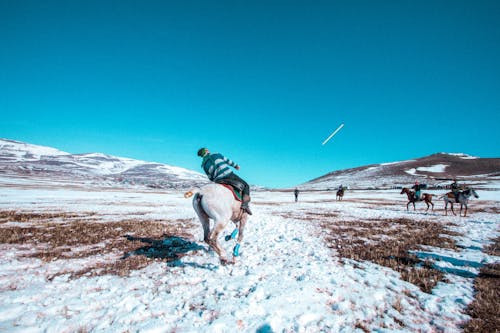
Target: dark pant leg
236 178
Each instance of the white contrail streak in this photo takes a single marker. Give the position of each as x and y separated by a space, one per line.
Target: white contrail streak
334 132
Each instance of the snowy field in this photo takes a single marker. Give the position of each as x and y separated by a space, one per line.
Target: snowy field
287 279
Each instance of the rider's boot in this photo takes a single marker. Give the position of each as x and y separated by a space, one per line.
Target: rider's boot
244 204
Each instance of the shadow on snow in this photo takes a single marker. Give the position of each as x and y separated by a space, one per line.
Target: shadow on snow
171 247
454 262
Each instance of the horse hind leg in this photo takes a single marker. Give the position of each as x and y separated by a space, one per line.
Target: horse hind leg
446 202
205 222
214 242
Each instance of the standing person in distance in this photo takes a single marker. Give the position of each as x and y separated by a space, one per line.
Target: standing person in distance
296 192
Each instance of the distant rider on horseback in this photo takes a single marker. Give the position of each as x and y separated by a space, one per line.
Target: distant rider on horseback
417 187
455 188
217 168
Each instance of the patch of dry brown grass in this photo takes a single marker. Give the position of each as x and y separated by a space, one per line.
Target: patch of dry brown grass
73 236
121 267
308 216
370 202
82 232
361 326
494 248
16 216
489 207
388 243
485 309
269 203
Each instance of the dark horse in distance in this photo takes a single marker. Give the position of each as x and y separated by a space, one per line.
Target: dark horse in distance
340 194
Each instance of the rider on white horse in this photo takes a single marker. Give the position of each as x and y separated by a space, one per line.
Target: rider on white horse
455 188
218 169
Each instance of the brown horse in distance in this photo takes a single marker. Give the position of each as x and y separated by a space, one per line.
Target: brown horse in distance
426 197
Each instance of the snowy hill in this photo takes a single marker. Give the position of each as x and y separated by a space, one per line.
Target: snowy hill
22 161
33 164
434 170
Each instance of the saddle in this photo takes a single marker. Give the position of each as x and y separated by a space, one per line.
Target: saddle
235 186
456 195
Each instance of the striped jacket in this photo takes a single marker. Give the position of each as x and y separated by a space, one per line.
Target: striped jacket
217 166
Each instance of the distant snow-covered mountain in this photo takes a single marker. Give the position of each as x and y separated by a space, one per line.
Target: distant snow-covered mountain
435 170
33 164
24 161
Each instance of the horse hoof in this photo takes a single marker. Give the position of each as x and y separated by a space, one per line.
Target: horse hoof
226 261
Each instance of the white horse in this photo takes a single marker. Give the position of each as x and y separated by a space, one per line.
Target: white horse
217 202
463 199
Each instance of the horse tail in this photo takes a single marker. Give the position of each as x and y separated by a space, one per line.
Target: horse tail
198 197
198 207
191 192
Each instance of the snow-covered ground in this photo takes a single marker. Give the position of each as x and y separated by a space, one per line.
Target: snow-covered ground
286 279
434 168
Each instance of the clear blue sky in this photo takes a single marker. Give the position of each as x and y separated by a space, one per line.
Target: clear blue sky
263 82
